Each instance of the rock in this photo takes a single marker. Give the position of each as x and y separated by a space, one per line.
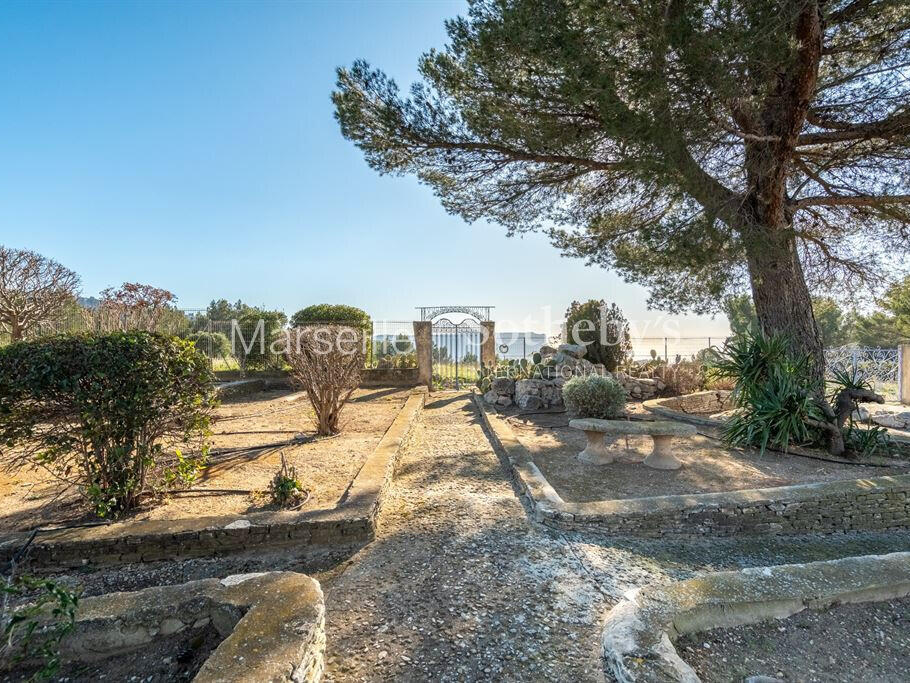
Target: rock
238 524
529 402
861 414
504 386
562 358
504 401
547 350
490 396
574 350
893 420
761 679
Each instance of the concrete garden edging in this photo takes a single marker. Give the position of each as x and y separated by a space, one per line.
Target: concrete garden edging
638 633
853 504
351 522
273 625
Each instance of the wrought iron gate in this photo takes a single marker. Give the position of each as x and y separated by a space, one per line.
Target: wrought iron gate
456 353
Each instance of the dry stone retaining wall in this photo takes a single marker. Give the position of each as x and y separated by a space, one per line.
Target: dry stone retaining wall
856 504
557 366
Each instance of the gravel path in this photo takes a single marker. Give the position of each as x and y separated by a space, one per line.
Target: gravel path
842 644
460 586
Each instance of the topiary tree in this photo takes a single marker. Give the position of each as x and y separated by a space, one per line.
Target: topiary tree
601 329
337 313
327 362
212 344
325 313
121 415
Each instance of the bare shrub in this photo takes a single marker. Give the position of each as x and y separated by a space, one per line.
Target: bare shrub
327 362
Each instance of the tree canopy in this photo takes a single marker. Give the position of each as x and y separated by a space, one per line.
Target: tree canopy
696 147
835 325
33 290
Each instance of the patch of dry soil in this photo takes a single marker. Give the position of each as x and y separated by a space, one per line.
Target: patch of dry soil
250 434
863 642
707 465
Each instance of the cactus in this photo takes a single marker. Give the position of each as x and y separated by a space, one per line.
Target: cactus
536 357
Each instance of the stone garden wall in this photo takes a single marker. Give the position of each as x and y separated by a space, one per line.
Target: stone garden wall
557 366
856 504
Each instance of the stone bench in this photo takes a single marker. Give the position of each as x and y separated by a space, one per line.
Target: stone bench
661 431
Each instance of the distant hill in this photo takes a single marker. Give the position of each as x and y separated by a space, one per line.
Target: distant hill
88 302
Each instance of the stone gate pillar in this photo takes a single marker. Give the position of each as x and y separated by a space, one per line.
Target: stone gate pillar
423 343
903 373
488 347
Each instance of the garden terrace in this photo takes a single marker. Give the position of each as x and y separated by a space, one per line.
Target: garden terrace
227 510
718 491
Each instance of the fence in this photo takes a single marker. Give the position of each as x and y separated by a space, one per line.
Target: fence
392 345
879 367
670 349
253 343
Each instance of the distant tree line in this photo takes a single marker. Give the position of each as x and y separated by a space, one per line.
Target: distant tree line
886 327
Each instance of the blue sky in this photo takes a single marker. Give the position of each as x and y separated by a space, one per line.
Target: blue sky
191 145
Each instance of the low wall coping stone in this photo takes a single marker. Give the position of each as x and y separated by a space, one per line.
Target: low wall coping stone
638 632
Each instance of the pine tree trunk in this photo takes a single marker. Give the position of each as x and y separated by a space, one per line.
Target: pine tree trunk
782 301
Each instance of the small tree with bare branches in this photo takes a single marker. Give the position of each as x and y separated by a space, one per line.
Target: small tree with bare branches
327 362
134 306
33 290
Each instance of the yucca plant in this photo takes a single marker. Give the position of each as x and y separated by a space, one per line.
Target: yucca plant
779 402
773 391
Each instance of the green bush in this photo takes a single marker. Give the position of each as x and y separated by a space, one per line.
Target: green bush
212 344
337 313
33 630
593 323
259 339
330 313
285 488
109 413
595 396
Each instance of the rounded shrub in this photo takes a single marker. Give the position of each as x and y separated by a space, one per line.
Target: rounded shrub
120 415
212 344
603 330
595 396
